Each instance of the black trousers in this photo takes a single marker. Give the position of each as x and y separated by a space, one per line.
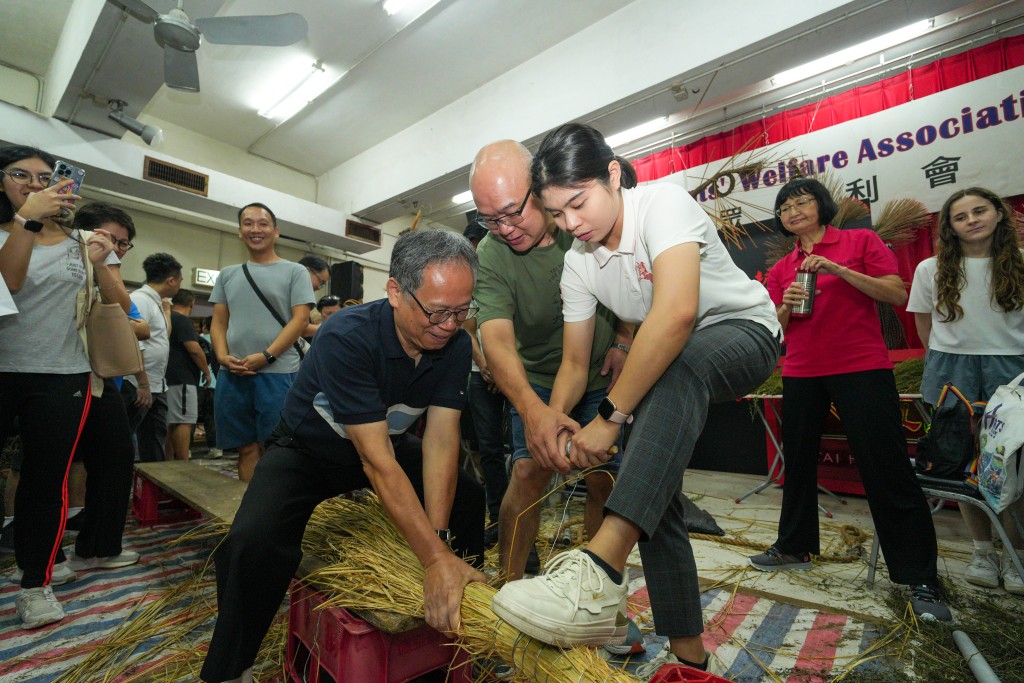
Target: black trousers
868 404
58 418
259 556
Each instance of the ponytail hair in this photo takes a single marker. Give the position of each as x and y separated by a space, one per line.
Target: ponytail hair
574 154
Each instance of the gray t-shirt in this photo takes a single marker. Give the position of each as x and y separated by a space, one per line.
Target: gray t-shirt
43 336
251 327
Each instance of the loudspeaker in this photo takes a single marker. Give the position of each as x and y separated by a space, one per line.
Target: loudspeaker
347 281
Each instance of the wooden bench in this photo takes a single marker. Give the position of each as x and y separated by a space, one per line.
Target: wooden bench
201 488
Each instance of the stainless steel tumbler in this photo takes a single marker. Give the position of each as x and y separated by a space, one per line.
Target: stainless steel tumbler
809 282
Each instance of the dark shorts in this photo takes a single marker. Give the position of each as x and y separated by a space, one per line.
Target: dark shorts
584 412
977 377
247 409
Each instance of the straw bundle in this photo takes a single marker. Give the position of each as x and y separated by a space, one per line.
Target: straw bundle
900 220
371 567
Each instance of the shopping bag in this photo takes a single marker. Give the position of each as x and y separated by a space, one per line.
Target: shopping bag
1002 436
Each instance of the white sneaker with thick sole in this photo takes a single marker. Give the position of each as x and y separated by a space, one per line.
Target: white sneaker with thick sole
38 607
125 559
61 574
573 603
1012 581
983 569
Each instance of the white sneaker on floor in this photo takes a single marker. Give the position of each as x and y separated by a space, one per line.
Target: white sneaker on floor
983 569
573 603
38 607
62 574
1012 581
125 559
647 670
214 453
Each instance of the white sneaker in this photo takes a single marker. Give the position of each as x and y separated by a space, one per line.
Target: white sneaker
983 569
38 607
647 670
573 603
214 453
1012 581
125 559
61 574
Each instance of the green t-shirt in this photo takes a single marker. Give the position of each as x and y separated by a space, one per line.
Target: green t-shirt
523 288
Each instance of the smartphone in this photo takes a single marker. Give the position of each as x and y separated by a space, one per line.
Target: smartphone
62 170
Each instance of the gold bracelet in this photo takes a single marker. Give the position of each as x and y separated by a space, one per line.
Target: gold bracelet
143 386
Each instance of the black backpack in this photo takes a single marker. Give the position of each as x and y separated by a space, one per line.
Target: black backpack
948 448
211 357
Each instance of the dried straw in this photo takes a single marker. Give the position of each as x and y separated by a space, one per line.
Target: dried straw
370 567
900 221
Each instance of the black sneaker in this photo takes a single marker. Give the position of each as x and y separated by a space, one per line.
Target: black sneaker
926 601
773 560
533 561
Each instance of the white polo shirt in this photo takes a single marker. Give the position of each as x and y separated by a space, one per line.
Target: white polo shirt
657 217
156 349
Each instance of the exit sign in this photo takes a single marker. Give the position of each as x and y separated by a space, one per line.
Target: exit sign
204 277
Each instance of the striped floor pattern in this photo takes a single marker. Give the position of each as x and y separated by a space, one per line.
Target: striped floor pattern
748 634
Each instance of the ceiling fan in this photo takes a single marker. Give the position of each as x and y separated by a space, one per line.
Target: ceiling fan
180 37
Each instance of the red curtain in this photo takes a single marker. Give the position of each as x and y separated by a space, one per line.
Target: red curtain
914 84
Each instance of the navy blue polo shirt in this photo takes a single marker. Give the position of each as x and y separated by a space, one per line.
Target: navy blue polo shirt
357 372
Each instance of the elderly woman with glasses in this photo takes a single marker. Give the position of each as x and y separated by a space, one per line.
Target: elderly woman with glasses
835 355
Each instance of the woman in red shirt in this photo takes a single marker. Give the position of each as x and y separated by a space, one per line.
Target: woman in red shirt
836 356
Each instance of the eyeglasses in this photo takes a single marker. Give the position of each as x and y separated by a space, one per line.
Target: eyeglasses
318 282
438 317
123 245
509 219
795 206
25 178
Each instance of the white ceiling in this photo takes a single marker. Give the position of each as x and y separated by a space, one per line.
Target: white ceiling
404 69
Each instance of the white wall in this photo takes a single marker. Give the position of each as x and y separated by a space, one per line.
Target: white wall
200 150
19 88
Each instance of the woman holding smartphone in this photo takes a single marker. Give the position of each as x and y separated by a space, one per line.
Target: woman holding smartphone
709 334
45 380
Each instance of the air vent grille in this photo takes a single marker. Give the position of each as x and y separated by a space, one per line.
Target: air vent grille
176 176
361 231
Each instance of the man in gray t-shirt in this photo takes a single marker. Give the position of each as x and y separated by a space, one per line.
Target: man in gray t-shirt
260 309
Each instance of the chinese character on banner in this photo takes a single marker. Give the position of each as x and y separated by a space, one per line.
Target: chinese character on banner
941 171
864 189
733 215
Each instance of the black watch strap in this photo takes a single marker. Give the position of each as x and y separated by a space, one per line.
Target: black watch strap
271 358
28 223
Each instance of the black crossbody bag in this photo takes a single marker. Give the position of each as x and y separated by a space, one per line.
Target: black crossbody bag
273 312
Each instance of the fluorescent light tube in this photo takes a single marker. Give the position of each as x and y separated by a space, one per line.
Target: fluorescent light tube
852 54
307 90
636 132
462 197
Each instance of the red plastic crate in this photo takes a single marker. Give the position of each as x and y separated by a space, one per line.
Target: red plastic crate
680 673
152 505
335 646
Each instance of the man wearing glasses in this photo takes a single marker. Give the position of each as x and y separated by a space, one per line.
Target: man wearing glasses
521 325
372 374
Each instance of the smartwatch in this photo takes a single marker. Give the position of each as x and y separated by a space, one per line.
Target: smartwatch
30 225
271 358
606 409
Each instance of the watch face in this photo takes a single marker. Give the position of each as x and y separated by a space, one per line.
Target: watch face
606 408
